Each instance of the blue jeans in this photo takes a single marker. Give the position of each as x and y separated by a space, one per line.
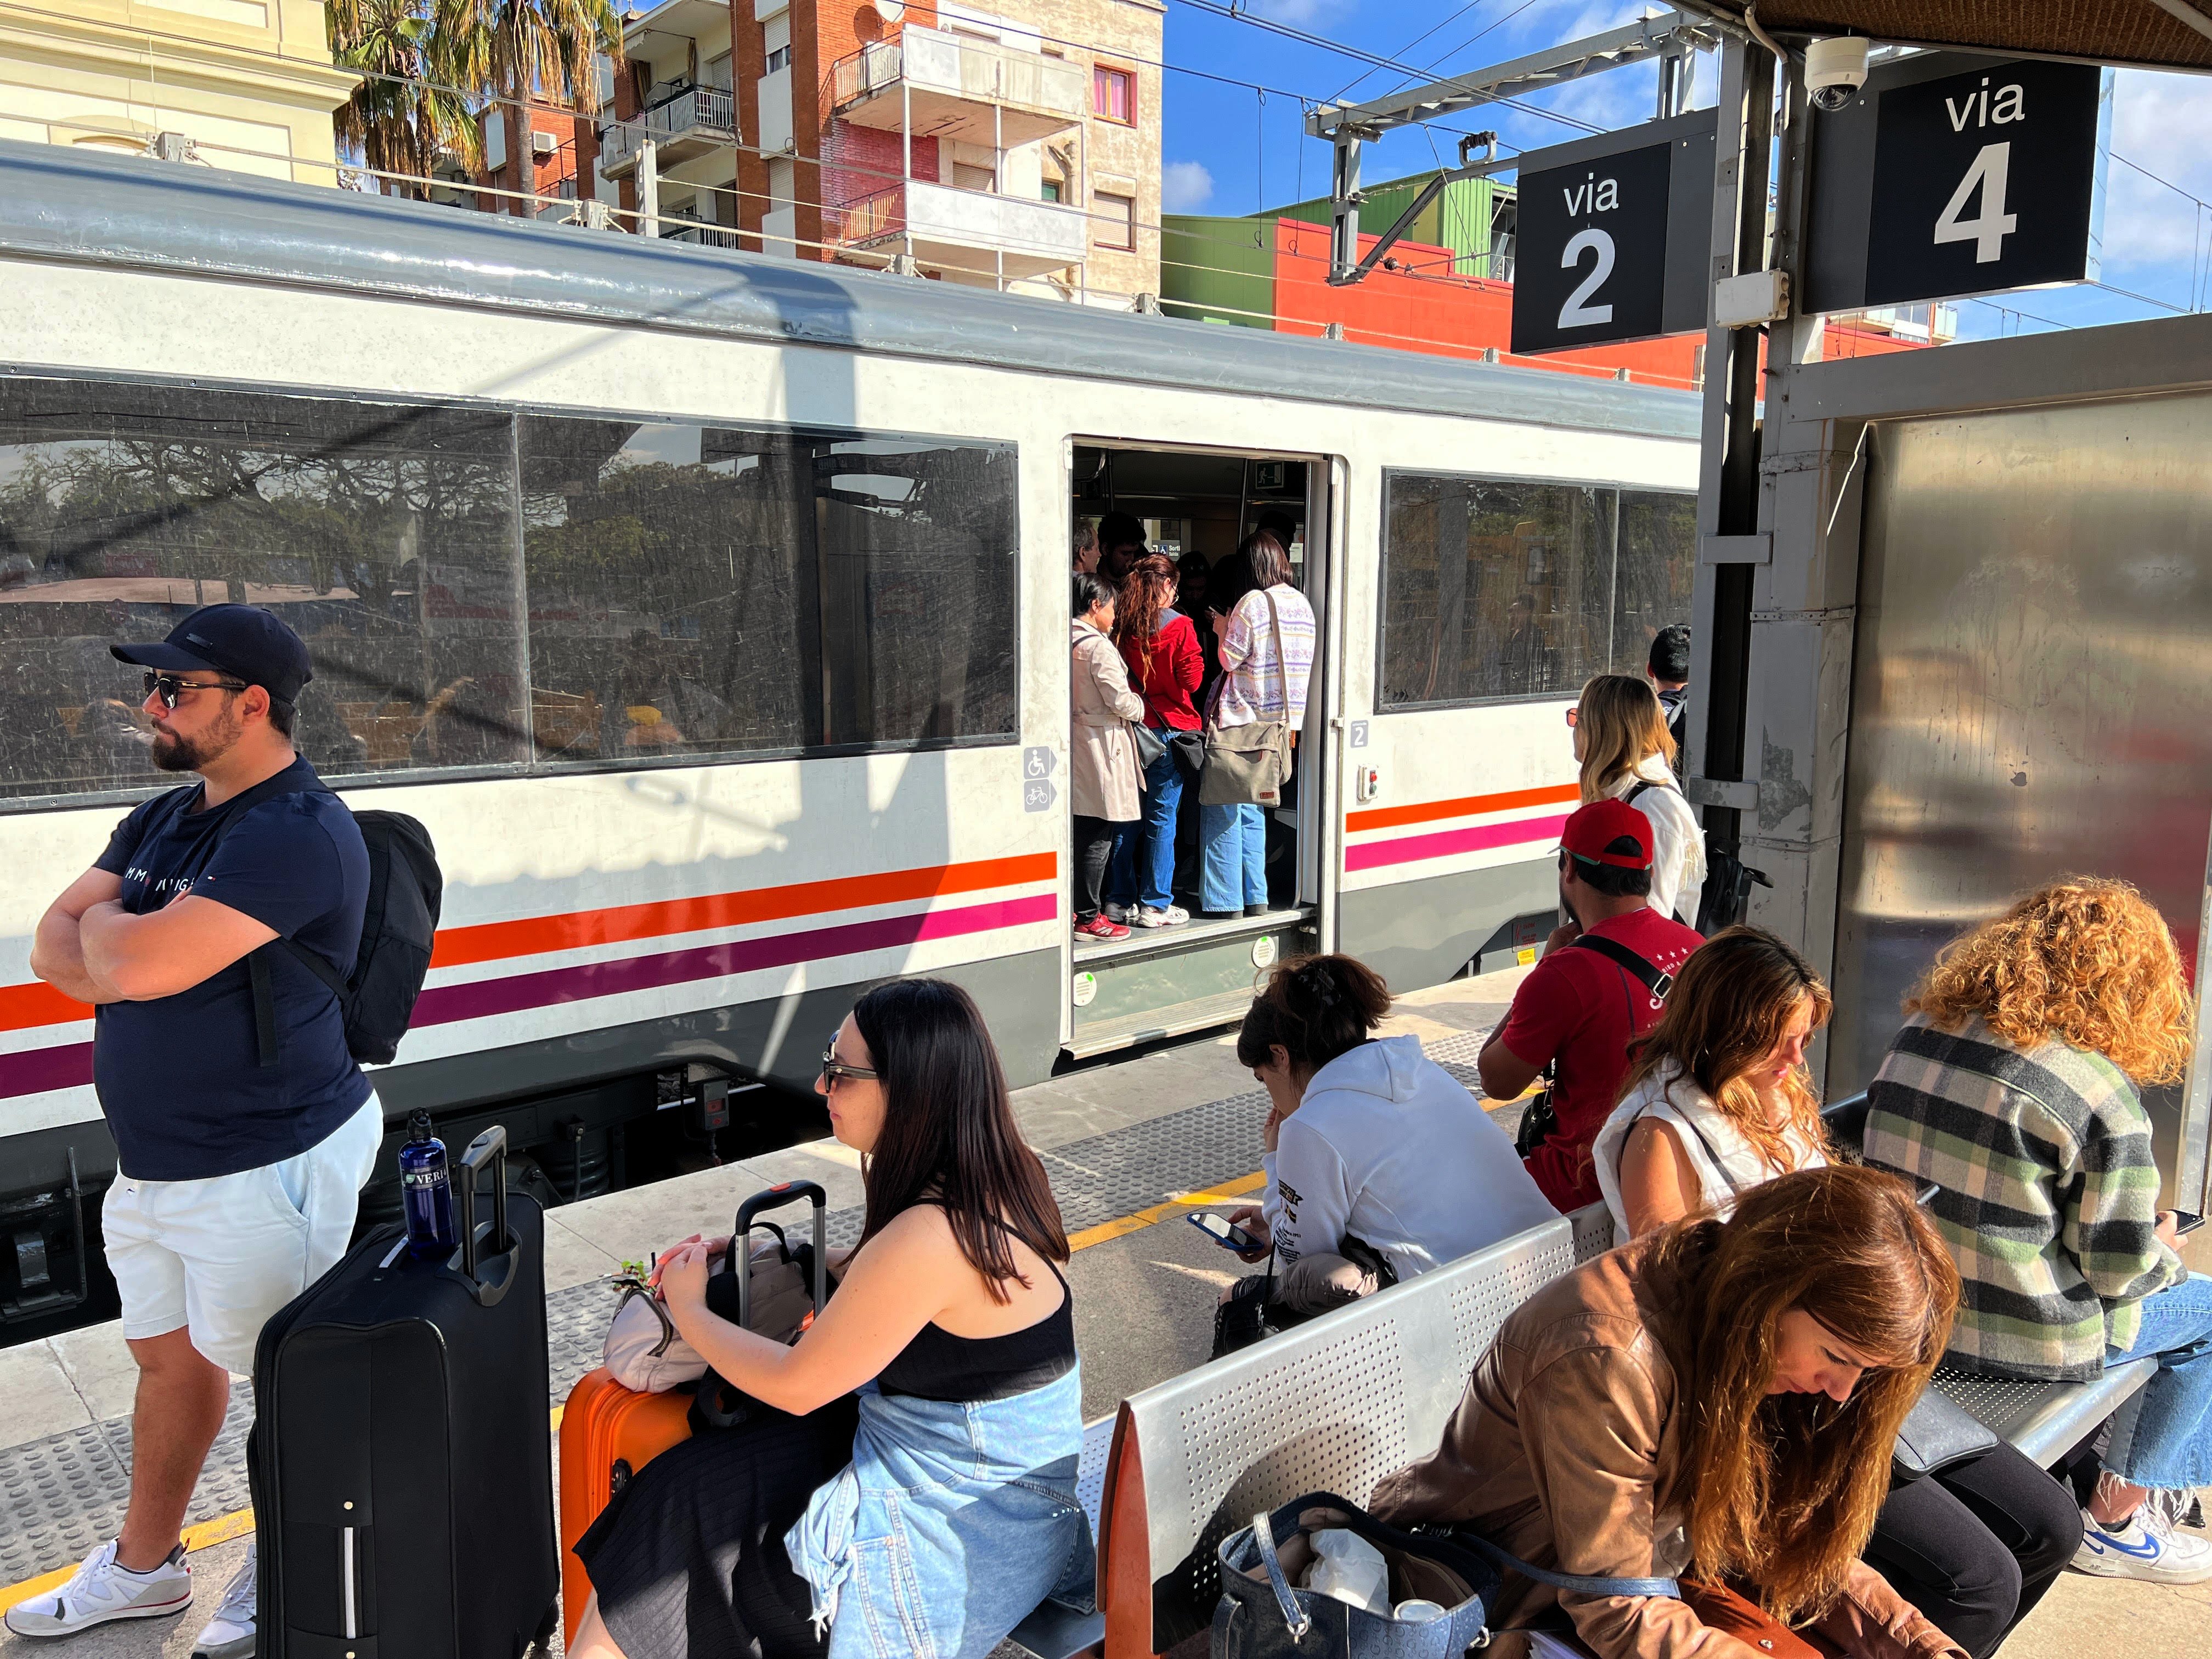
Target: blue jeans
2163 1438
1144 852
1235 871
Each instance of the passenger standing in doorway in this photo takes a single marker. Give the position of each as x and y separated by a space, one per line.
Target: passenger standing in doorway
1160 648
1103 778
237 1182
1620 737
1668 668
1578 1010
1120 544
1086 547
1267 647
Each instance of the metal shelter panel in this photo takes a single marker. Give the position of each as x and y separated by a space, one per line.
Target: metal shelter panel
2029 695
1333 1405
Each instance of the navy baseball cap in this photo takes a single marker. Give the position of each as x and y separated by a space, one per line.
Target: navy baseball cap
246 642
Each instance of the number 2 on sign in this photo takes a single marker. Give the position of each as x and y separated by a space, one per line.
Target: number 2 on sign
1988 232
1578 312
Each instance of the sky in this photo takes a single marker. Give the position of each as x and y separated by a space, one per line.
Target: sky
1232 149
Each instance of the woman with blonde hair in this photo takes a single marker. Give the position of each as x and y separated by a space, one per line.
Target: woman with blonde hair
1720 1394
2014 1086
1716 1101
1626 754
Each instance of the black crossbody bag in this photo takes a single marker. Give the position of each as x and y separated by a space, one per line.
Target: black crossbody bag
1540 1119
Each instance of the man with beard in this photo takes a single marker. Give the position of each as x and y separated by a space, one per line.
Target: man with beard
236 1180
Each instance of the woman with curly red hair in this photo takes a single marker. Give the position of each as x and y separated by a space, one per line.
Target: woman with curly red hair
2014 1086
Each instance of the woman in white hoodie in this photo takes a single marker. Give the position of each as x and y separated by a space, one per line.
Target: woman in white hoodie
1380 1165
1627 754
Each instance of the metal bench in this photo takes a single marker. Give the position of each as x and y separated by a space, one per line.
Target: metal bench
1053 1631
1335 1404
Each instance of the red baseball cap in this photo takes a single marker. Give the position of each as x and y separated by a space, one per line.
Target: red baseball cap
1591 830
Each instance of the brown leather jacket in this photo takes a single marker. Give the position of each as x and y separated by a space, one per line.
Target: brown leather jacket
1567 1437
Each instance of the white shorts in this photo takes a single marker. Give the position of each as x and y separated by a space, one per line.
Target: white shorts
218 1257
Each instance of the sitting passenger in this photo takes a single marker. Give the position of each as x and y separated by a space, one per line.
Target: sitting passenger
1577 1013
957 1514
1380 1165
1679 1401
2014 1086
1716 1102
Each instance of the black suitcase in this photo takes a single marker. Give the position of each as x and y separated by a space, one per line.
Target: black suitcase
402 1462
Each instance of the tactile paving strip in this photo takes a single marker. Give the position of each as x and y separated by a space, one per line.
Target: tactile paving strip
60 1497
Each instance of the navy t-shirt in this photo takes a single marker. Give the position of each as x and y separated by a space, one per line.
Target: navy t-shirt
180 1077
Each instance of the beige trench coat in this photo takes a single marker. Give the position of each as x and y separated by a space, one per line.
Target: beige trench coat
1104 775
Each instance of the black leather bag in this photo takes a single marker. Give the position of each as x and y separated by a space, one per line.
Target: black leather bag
1538 1119
1938 1432
1149 745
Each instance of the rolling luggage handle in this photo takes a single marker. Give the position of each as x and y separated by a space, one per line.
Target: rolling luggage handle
489 1274
708 1409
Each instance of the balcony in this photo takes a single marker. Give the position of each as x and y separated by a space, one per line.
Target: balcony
969 235
955 88
694 122
676 230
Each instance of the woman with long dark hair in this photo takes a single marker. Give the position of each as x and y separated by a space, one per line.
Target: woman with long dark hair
957 1514
1160 648
1720 1395
1716 1100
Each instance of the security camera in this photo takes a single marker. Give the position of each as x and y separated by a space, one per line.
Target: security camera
1835 70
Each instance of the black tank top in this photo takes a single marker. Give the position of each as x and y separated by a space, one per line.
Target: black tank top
938 1365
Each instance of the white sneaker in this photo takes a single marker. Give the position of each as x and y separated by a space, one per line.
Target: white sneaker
1126 914
1175 916
99 1591
2147 1547
229 1634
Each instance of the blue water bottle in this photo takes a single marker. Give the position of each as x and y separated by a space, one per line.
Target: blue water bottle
427 1187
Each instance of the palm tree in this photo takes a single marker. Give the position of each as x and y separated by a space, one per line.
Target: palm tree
524 48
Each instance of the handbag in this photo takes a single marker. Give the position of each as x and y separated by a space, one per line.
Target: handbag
1936 1433
646 1353
1539 1119
1248 765
1149 745
1189 750
1720 1607
1262 1615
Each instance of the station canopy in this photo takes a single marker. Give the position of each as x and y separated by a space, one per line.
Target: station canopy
2175 34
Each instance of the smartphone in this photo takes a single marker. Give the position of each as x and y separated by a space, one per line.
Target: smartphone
2185 1223
1221 1230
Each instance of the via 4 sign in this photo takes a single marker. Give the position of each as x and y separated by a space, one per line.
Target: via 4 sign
1608 236
1952 175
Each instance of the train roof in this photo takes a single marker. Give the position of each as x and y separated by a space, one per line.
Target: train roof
79 206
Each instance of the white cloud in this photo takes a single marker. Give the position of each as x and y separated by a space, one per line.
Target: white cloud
1185 186
2164 123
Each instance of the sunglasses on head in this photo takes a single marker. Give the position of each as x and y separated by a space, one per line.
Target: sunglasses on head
172 687
833 1068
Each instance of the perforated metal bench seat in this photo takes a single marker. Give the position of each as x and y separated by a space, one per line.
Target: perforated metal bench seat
1053 1631
2044 1420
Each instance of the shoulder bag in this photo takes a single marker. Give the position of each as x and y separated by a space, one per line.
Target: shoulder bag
1262 1615
1728 880
1248 765
1150 745
1538 1120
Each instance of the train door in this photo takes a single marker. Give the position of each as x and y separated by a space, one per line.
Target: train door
1196 507
2029 700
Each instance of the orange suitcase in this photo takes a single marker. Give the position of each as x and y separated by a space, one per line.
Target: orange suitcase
606 1430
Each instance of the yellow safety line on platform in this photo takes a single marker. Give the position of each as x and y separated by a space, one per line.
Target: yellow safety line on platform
224 1527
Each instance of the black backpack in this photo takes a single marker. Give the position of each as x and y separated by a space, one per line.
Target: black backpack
399 928
1727 892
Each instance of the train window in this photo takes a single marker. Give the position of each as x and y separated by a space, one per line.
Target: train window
383 533
700 590
1492 589
1499 589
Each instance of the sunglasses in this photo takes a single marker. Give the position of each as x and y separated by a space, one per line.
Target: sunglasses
172 687
834 1069
1574 717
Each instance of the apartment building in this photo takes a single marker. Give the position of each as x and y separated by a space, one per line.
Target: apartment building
248 82
1016 148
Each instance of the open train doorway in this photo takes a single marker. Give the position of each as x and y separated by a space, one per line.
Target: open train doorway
1197 508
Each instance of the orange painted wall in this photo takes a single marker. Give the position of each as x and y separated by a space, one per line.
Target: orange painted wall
1424 310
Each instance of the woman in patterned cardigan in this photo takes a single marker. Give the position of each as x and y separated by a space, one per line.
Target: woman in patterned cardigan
2014 1087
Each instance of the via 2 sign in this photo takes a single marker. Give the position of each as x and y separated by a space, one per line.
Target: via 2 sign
1608 242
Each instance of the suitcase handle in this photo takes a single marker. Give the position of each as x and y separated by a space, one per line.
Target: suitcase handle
776 1198
488 1274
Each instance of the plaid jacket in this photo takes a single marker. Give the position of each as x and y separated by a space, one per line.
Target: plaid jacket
2048 1194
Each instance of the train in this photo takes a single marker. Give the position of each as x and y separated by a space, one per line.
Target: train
501 475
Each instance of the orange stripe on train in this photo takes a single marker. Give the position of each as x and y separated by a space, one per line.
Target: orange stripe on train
1390 817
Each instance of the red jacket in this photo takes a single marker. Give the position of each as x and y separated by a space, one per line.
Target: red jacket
1176 669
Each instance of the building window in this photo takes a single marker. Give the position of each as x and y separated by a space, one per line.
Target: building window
780 58
1050 190
1114 94
1117 220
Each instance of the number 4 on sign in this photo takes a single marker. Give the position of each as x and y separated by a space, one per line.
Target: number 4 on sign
1988 232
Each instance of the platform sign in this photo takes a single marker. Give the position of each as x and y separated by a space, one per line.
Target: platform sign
1952 175
1611 236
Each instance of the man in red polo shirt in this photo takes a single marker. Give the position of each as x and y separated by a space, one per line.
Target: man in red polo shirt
1586 1001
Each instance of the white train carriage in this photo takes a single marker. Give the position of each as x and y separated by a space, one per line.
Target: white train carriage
711 611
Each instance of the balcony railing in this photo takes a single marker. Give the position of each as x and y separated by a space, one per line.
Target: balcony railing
688 124
958 87
970 235
704 235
